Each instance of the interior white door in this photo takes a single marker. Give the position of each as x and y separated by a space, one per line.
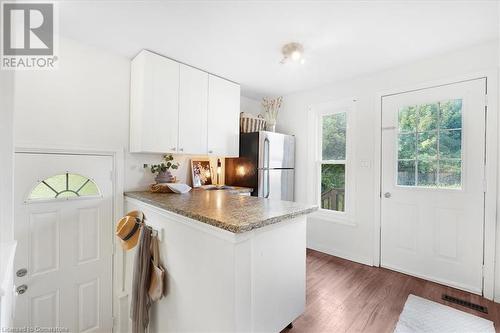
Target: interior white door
63 226
433 156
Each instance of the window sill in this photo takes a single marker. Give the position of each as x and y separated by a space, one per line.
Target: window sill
334 217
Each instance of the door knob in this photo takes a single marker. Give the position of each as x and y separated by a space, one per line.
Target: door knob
21 289
387 195
21 272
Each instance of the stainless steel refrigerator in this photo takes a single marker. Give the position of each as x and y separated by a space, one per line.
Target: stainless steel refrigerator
266 164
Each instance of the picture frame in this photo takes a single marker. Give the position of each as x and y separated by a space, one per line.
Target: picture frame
201 171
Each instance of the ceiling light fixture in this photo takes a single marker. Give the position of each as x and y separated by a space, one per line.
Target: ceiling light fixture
293 51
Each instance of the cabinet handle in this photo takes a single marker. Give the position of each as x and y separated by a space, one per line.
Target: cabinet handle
172 148
181 149
210 151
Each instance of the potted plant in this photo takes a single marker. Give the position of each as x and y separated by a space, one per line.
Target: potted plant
163 169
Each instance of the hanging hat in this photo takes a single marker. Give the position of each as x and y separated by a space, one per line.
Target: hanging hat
128 229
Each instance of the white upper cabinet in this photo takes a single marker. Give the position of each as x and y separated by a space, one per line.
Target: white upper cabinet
175 108
193 103
154 104
223 117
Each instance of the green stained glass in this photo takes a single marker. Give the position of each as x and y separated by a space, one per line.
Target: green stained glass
67 185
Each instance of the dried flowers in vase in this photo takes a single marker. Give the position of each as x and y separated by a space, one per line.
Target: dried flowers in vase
271 108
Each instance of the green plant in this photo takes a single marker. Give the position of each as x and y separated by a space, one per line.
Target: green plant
163 166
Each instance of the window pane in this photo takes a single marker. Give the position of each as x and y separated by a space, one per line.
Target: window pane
450 114
407 145
427 145
65 185
89 189
450 173
427 172
334 136
427 117
333 187
58 182
406 173
450 143
42 191
75 181
408 119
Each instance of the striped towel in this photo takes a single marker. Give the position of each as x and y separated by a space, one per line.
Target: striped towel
139 311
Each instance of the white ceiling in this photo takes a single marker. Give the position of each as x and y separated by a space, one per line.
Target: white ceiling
241 40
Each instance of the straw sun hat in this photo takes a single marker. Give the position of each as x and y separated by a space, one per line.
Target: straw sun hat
128 229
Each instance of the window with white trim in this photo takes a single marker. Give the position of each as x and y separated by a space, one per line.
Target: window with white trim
333 139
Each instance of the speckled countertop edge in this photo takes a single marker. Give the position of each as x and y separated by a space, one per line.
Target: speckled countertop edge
238 220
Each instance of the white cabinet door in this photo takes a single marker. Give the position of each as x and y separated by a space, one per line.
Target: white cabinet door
223 117
193 103
154 108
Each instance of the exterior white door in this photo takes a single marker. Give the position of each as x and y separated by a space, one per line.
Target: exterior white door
63 226
433 157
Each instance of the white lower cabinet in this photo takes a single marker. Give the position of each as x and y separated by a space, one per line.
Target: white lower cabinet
176 108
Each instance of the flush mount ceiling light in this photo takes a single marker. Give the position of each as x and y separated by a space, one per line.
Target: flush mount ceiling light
294 52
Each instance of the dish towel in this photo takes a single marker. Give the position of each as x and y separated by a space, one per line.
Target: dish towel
140 303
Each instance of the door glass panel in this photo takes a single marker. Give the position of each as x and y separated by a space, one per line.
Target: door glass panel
334 136
450 143
407 145
427 145
450 173
430 145
406 173
333 187
67 185
427 172
427 117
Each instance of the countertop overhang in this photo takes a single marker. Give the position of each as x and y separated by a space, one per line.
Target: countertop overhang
228 211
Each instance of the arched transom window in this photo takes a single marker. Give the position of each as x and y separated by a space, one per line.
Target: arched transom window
67 185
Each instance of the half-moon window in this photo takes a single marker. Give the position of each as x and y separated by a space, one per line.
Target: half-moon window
68 185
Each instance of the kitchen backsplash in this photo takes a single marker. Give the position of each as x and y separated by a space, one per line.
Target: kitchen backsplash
138 178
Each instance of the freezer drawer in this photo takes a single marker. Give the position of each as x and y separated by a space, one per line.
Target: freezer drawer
276 184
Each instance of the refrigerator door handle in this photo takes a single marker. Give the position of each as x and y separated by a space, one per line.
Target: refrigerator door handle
266 166
268 185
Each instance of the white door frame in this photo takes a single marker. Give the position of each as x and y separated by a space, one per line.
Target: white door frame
490 211
117 154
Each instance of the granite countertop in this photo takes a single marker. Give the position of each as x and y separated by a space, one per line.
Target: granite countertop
225 210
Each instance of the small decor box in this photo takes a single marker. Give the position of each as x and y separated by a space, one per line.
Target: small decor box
250 123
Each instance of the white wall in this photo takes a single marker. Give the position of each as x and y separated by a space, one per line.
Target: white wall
249 105
332 236
6 155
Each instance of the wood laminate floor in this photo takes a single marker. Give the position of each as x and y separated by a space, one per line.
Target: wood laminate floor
343 296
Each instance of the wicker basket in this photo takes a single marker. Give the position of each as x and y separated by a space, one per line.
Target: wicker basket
250 123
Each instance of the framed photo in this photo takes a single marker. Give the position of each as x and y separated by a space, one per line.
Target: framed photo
201 172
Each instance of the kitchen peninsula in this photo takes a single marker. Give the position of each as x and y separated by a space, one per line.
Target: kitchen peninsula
234 263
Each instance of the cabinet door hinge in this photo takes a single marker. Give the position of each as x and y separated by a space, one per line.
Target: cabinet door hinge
486 100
